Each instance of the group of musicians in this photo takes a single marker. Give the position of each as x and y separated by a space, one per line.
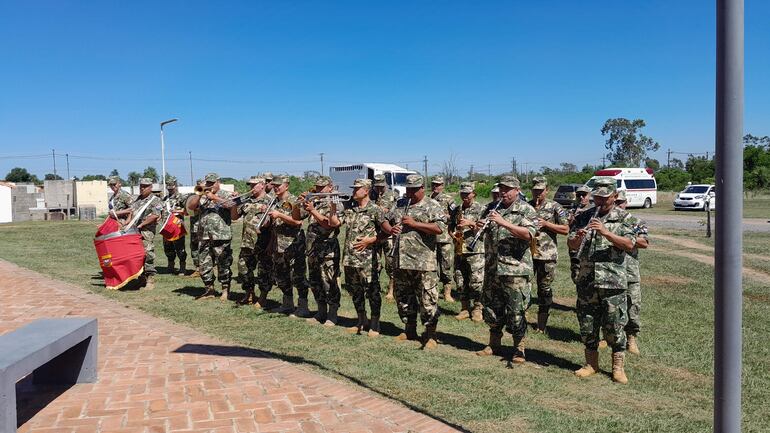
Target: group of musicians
497 251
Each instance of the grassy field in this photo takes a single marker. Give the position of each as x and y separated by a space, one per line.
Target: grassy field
670 384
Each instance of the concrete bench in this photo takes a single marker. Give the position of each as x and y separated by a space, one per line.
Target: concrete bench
60 351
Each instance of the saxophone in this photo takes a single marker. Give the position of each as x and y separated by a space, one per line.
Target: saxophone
457 235
533 242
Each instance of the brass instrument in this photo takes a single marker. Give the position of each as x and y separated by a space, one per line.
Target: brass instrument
533 242
472 244
201 190
264 215
457 235
327 197
396 241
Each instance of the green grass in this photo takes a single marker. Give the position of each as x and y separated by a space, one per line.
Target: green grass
670 385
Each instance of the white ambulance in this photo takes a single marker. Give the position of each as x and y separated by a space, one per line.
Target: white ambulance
638 183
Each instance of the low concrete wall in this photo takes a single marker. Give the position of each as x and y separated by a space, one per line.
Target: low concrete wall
92 193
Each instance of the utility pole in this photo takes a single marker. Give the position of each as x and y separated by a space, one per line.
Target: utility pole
425 169
53 152
603 163
67 155
668 160
489 170
471 173
322 163
513 166
192 179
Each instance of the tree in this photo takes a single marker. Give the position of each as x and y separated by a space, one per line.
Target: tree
51 176
21 175
151 173
449 170
749 139
652 163
677 163
568 167
627 145
94 177
133 177
701 170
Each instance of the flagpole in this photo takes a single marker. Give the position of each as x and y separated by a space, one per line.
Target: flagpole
163 156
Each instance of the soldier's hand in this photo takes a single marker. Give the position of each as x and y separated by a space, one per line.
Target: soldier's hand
309 206
362 244
465 222
211 196
597 226
581 233
408 221
273 214
396 229
495 217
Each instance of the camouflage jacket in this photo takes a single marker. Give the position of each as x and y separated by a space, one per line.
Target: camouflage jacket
320 242
251 212
445 200
476 211
602 264
176 203
639 228
360 222
552 212
386 200
155 208
285 235
214 223
416 249
121 200
509 255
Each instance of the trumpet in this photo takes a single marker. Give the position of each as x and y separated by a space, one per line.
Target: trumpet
201 190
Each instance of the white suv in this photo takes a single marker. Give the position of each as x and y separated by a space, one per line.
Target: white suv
701 197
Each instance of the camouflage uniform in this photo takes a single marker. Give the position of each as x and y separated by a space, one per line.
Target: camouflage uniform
509 270
546 252
469 265
602 282
265 278
175 248
634 293
323 258
386 201
215 236
251 249
415 274
287 248
148 232
574 263
444 251
120 201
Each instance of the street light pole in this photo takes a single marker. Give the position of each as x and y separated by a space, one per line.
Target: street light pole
163 155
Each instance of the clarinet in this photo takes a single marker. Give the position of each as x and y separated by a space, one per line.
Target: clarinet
396 242
472 244
589 233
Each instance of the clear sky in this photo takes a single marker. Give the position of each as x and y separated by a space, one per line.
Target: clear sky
358 80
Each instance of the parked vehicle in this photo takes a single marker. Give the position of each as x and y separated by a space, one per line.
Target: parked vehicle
565 194
700 197
395 176
639 184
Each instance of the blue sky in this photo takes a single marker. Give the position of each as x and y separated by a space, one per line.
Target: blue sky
358 80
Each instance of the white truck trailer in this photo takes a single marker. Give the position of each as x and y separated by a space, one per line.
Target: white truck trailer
395 176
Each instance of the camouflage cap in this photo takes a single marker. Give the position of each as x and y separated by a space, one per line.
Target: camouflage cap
414 181
211 177
170 181
200 182
437 180
467 187
509 181
621 196
113 180
268 176
379 180
145 181
604 187
583 189
539 182
323 181
253 180
280 179
361 183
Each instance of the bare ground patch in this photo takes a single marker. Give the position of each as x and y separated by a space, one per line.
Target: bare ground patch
665 280
754 274
695 245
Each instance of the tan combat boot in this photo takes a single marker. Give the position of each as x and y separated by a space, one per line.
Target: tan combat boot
495 342
149 282
359 326
410 332
464 313
225 292
374 327
633 345
618 374
429 341
261 301
302 310
248 298
602 344
477 314
389 296
592 364
448 292
195 274
518 351
208 293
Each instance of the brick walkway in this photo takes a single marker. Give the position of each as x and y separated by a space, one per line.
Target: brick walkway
156 376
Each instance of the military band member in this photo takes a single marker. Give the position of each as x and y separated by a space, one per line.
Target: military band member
174 203
551 220
252 211
215 235
323 252
287 248
602 239
469 265
507 281
195 217
634 293
385 199
360 254
416 283
147 226
444 247
582 203
265 276
120 200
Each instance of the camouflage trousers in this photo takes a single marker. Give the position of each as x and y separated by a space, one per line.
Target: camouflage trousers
247 264
194 249
444 256
219 254
634 305
604 309
416 292
289 270
574 266
265 277
469 276
323 279
362 285
175 249
383 254
506 298
148 242
545 271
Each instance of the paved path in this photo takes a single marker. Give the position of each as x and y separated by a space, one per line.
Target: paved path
156 376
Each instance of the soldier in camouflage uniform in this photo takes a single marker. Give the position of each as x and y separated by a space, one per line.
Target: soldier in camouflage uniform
360 254
582 203
120 199
265 277
195 217
551 220
175 202
287 248
417 227
602 239
252 210
385 199
469 265
444 253
634 293
147 226
507 281
323 253
215 235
